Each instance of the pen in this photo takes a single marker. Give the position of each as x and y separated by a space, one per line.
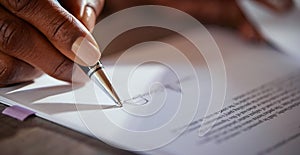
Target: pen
97 74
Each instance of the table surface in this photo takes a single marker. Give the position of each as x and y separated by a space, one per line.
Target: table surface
38 136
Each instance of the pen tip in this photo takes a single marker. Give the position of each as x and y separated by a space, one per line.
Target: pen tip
119 104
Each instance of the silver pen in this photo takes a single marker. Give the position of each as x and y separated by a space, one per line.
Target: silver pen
97 74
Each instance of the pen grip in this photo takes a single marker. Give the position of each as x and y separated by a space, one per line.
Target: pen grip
90 70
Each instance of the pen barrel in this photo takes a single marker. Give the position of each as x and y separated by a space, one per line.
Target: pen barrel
97 74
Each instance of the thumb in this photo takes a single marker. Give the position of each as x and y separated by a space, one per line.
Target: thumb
86 11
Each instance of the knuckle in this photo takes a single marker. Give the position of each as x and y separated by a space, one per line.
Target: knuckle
60 28
63 68
22 6
12 35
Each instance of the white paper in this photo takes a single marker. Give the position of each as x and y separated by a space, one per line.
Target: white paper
248 66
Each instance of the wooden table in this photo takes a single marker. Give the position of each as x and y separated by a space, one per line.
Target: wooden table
38 136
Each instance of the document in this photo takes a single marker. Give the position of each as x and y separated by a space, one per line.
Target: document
261 111
158 84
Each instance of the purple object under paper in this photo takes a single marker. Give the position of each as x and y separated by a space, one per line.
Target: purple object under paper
17 112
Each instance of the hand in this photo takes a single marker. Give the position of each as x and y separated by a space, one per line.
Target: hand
42 36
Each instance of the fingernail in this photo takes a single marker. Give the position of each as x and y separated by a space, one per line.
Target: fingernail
89 18
86 51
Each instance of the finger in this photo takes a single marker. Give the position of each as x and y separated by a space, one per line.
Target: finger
60 27
237 17
249 32
20 40
86 11
14 71
277 5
